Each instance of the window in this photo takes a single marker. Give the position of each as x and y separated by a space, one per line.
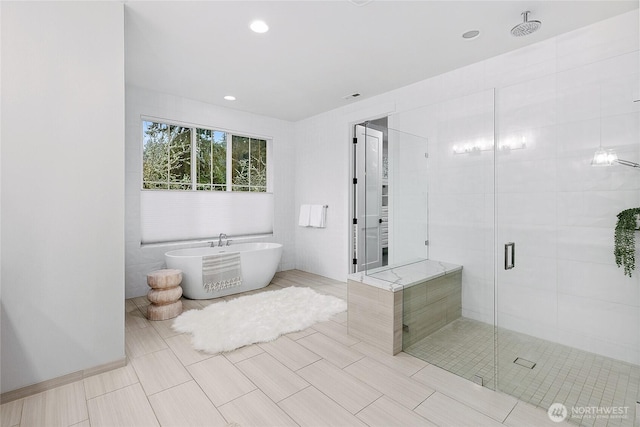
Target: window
166 156
189 158
249 162
212 159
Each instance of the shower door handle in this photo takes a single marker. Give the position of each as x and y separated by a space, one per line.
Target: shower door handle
509 255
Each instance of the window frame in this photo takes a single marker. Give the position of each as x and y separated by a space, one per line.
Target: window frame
194 164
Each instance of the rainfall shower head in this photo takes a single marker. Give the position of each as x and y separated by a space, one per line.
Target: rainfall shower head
526 27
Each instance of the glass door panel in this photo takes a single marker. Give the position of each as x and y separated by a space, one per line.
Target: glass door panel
391 179
568 318
449 317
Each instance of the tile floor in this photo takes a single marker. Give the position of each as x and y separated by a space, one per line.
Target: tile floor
316 377
561 373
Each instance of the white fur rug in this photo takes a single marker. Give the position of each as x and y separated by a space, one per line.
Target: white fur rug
262 317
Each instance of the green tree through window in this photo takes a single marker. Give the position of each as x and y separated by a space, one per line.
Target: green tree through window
249 160
211 159
168 159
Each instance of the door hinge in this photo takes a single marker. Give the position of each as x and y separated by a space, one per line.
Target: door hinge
355 261
355 180
355 221
426 243
355 140
426 155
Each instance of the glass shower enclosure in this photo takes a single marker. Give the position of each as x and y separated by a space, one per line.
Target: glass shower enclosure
568 318
487 183
391 170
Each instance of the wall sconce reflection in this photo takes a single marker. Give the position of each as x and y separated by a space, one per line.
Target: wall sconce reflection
604 157
483 145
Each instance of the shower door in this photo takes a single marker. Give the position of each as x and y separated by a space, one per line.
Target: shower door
568 318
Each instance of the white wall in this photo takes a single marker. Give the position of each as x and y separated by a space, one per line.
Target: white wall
460 191
62 189
559 209
321 178
323 156
140 260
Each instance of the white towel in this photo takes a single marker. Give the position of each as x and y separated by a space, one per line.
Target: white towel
305 211
317 216
221 271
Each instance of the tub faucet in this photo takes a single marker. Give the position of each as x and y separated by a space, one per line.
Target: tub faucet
220 237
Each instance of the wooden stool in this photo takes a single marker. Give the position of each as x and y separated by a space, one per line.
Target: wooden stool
165 294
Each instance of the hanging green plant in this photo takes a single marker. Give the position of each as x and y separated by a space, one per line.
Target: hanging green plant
625 242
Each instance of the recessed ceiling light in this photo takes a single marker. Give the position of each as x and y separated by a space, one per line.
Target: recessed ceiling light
230 98
470 35
258 26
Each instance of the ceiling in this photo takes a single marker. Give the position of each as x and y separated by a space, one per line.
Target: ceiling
318 52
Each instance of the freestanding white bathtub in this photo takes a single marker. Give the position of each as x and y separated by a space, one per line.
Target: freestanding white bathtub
259 262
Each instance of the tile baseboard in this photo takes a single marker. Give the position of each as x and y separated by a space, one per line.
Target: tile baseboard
30 390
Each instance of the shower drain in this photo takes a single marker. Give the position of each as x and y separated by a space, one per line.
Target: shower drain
524 362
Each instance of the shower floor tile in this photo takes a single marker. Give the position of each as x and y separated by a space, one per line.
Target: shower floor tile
561 374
